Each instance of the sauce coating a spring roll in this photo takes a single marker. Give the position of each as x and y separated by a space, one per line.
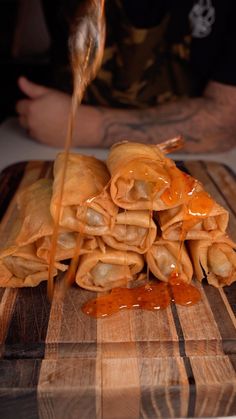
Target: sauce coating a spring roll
200 218
142 177
138 175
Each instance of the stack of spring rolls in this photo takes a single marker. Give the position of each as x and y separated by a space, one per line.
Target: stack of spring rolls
135 211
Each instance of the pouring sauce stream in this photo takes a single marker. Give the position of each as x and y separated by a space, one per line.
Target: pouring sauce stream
86 45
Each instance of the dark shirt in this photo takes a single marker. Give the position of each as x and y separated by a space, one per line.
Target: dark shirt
155 49
212 28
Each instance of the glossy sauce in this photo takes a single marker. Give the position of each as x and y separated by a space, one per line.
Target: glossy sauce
85 64
197 208
152 296
196 204
199 205
50 286
181 188
147 170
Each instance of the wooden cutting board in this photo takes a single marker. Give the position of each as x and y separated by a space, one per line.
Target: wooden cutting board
58 363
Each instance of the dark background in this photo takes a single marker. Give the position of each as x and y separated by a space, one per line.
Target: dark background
24 46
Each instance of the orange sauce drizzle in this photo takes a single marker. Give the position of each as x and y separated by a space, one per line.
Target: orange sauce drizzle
152 296
146 172
197 208
53 249
181 188
199 205
70 274
84 71
76 100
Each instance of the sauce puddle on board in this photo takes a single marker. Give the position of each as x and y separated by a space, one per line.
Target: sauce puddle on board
151 296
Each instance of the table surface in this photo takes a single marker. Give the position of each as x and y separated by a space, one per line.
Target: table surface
16 146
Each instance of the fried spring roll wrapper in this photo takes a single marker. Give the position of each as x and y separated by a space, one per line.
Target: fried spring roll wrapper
175 226
34 212
32 218
166 257
23 268
215 260
139 176
19 264
86 204
102 271
66 246
133 230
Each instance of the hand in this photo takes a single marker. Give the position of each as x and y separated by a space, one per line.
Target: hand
45 114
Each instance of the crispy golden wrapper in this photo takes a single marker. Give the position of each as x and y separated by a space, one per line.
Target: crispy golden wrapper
34 212
139 175
165 257
175 226
102 271
86 204
133 230
67 246
215 260
22 268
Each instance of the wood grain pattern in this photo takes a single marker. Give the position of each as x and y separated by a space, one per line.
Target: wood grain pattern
213 398
55 362
18 388
67 388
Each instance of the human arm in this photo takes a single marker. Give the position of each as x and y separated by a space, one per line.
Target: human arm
207 123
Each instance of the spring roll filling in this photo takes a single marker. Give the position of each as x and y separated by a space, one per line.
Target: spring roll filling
221 263
129 234
90 217
165 260
103 273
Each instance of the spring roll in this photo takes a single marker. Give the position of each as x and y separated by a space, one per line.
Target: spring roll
102 271
34 212
143 178
214 260
165 257
67 246
133 230
19 264
139 176
200 218
22 268
86 205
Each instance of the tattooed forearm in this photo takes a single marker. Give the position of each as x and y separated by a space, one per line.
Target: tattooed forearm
207 123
